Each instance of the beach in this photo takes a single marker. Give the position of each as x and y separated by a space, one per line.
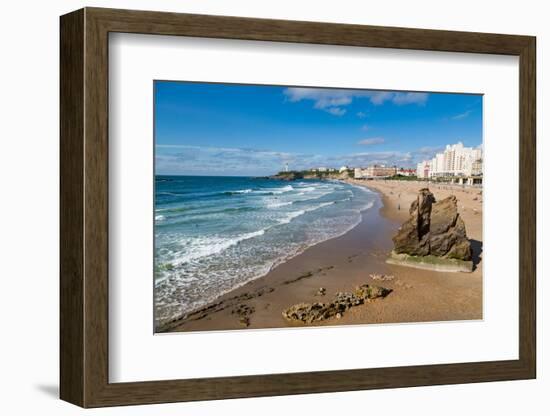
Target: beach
341 263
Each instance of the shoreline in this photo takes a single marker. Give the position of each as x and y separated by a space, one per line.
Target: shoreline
312 265
276 263
342 263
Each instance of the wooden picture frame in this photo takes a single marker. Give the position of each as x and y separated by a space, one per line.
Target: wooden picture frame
84 207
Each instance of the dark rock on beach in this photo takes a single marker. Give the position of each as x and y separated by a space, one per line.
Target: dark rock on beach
433 229
244 312
414 235
448 232
342 301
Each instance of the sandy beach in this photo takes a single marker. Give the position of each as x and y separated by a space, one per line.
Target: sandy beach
342 263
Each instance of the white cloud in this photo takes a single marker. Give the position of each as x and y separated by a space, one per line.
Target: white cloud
365 127
371 140
336 111
418 98
461 115
332 100
210 160
363 159
323 97
206 160
323 103
378 98
427 150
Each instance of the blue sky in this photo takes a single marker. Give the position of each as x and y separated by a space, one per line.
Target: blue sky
249 130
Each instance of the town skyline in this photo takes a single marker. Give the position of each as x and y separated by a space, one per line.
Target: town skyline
237 130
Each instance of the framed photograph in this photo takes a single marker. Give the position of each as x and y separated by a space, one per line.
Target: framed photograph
255 207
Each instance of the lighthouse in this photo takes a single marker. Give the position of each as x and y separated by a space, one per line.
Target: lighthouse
286 167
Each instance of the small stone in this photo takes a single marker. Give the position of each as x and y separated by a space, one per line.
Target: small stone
244 311
382 277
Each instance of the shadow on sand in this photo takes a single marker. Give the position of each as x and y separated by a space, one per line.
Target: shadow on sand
477 249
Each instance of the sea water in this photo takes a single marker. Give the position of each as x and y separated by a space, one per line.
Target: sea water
214 234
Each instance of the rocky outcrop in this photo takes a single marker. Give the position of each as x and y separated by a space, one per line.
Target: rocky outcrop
342 301
448 232
294 175
433 229
287 176
413 236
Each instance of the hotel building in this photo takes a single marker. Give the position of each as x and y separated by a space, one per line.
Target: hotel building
456 160
375 171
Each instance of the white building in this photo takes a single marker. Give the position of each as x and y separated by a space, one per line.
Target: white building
343 169
375 172
437 164
423 169
473 165
456 160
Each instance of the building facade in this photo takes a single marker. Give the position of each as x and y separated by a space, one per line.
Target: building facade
455 160
423 169
406 172
375 171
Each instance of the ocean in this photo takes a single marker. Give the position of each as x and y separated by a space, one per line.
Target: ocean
214 234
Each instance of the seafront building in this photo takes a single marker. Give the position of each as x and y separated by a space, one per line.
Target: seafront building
423 169
456 163
323 169
406 172
375 171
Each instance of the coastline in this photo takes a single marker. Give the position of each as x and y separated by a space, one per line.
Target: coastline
341 263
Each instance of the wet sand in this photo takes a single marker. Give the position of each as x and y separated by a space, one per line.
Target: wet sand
342 263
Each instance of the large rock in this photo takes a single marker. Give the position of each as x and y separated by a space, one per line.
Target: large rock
448 232
413 235
433 229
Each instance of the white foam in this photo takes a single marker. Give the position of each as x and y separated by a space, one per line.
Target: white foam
278 204
321 205
198 247
159 217
316 196
368 206
281 190
290 216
